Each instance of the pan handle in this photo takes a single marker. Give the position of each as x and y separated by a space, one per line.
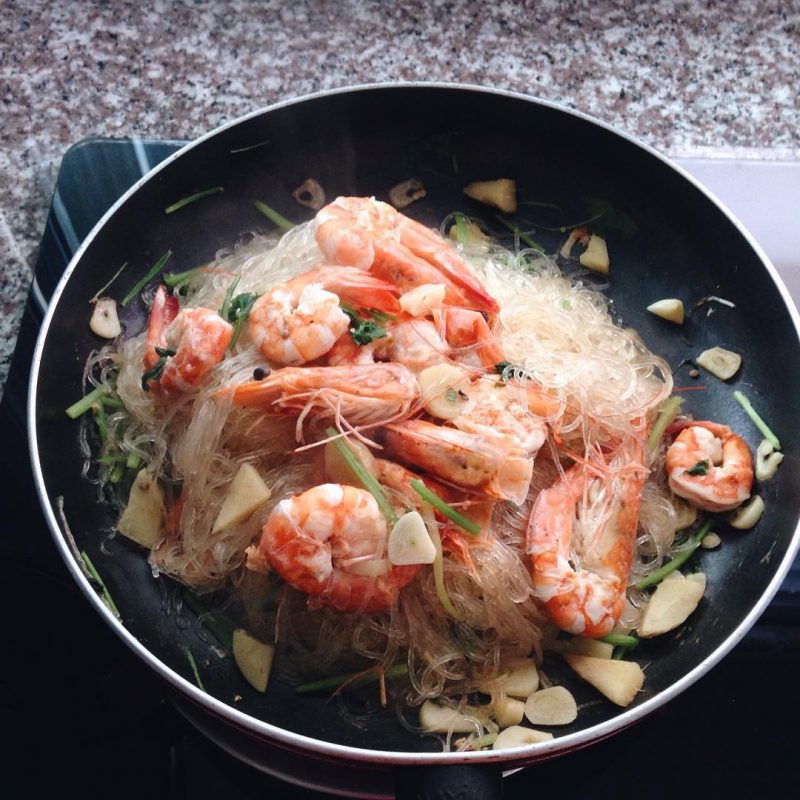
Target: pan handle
456 782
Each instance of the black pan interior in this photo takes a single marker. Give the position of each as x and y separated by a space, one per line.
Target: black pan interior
364 142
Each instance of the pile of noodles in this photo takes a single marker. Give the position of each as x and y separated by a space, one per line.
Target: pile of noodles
555 330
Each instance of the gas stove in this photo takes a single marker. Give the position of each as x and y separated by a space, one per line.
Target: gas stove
85 714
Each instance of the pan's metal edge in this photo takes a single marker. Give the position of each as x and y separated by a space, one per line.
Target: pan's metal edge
515 756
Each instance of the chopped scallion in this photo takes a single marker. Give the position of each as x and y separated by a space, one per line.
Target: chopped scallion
363 475
470 526
145 279
438 563
273 216
353 679
656 577
191 198
175 279
193 665
669 410
759 423
620 640
523 237
99 581
86 402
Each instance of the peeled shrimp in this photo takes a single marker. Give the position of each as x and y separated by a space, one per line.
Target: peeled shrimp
493 465
507 409
365 233
363 395
470 338
721 463
300 320
330 542
195 337
581 538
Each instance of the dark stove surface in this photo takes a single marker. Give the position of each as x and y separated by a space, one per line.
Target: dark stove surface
82 713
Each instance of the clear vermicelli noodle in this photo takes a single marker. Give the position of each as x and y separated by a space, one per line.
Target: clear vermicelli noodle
477 395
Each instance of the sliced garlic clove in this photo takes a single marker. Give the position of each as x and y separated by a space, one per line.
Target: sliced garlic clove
310 194
670 309
748 514
508 711
595 256
254 659
553 706
671 604
500 193
519 736
246 494
444 389
768 459
619 681
104 321
434 718
407 192
410 542
721 363
522 679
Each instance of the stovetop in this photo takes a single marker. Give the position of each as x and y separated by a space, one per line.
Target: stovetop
82 711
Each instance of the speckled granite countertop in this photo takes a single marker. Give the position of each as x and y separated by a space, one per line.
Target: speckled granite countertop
683 76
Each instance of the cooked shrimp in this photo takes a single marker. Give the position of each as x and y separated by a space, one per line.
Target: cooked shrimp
710 466
330 542
470 338
191 341
416 344
397 479
300 320
365 233
493 465
508 409
581 538
363 395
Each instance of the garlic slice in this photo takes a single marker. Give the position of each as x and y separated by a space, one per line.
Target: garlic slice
670 309
518 736
410 542
721 363
746 516
768 459
104 321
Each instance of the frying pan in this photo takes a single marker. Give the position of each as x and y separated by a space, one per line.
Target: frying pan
668 237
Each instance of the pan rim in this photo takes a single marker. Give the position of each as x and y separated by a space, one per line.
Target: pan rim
294 741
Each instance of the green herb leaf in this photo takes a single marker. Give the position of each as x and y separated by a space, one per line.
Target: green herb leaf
363 331
700 468
191 198
154 373
151 273
610 219
237 313
226 302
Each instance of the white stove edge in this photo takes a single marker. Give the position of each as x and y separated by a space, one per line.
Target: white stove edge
765 196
